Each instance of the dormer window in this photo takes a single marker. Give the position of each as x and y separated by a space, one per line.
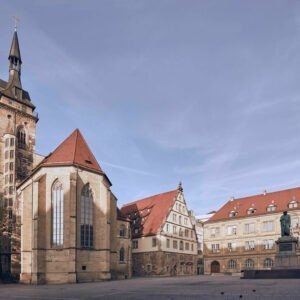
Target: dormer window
293 204
271 207
233 213
251 211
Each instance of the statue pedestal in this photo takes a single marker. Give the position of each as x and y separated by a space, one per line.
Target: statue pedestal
286 257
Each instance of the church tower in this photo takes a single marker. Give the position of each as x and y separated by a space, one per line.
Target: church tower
17 144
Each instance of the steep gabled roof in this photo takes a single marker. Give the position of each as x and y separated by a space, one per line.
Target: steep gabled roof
259 203
73 151
149 213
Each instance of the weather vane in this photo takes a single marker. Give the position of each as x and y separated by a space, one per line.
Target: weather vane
16 21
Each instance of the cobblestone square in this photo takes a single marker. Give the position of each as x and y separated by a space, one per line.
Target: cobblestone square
193 287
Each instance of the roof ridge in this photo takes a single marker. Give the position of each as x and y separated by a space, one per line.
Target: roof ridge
130 203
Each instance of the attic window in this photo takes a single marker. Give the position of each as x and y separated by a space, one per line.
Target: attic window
88 161
293 204
271 207
251 211
233 213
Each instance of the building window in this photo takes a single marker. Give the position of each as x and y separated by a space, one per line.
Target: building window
268 226
11 166
231 264
12 142
249 228
180 232
214 231
268 263
6 142
186 233
175 244
180 207
11 190
268 244
167 227
154 242
174 217
122 231
122 255
21 136
231 246
231 230
57 214
215 248
185 221
6 155
251 211
87 229
179 219
11 178
187 246
293 204
168 243
174 229
11 154
249 264
192 245
192 234
233 213
181 245
249 245
148 268
135 244
271 207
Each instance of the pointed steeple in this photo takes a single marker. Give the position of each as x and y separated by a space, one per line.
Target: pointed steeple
15 62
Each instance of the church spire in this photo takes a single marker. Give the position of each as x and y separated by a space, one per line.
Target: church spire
15 61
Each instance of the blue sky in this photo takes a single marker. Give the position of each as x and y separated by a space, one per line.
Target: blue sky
206 92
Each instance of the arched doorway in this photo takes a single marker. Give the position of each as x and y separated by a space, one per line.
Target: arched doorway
215 267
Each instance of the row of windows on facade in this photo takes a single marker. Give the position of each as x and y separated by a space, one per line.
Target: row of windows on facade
185 220
248 245
169 257
269 208
86 218
266 226
181 231
249 263
182 246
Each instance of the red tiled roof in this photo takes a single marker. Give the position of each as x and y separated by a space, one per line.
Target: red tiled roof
260 203
122 216
153 209
74 151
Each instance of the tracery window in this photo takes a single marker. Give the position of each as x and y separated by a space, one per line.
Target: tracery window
87 210
21 137
57 214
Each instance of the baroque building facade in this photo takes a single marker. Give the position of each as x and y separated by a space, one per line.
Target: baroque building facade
63 220
242 234
163 238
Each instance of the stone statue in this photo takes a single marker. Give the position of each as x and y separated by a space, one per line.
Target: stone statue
285 222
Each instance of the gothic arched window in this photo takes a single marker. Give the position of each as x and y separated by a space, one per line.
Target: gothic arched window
86 224
122 255
21 137
57 214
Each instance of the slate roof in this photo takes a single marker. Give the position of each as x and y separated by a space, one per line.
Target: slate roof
148 214
15 49
259 203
